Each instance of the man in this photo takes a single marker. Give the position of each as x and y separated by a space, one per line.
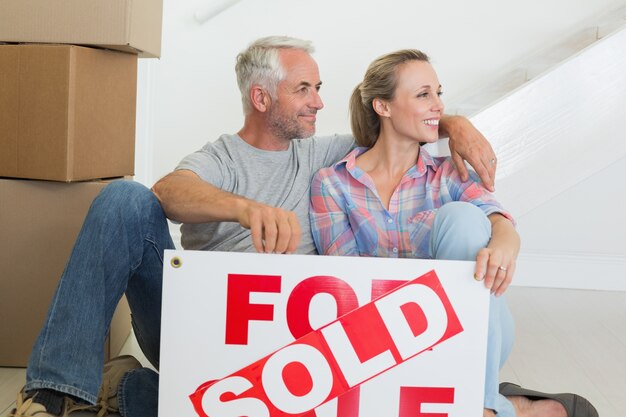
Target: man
245 192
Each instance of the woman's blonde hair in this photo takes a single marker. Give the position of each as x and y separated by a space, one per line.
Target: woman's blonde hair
379 82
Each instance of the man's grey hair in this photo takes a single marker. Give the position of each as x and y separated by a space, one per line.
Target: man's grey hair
259 64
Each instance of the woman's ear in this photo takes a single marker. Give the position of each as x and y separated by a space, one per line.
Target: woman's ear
260 98
381 107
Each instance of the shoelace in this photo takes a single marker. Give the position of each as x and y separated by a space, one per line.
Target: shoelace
102 407
21 406
104 399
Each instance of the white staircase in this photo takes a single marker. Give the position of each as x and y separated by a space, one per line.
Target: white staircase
558 126
553 54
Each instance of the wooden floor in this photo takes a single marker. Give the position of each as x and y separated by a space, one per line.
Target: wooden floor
573 341
567 341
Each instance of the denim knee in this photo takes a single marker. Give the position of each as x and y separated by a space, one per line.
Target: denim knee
460 230
460 211
126 200
138 393
125 192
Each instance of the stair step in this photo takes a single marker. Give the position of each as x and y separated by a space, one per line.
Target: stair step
539 64
612 22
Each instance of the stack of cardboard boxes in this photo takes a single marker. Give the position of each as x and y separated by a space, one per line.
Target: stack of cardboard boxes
68 85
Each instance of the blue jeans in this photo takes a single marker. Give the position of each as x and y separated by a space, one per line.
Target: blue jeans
119 250
460 230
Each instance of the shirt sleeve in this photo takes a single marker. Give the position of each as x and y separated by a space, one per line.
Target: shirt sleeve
472 191
209 165
334 148
330 226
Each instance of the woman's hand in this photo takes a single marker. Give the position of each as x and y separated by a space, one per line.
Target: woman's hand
495 264
496 267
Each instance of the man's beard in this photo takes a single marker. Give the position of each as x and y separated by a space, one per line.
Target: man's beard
286 127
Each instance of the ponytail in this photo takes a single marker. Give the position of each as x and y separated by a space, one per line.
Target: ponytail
363 119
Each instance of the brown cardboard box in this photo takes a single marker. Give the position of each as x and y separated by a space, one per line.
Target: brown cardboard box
127 25
39 222
67 113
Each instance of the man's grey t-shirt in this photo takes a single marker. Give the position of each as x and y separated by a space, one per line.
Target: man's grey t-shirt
276 178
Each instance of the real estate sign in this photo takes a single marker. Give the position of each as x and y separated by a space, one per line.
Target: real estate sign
262 335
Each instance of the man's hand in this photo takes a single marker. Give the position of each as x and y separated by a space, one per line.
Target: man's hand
188 199
467 143
274 230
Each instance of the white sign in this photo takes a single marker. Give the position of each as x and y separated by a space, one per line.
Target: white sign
265 328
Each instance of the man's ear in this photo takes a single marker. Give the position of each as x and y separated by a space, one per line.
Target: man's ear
260 98
381 107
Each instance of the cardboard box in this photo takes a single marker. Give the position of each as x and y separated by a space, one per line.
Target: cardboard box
127 25
67 113
39 222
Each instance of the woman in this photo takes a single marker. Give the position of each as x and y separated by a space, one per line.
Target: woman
390 198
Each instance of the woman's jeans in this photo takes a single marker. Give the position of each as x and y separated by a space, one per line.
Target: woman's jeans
460 230
120 250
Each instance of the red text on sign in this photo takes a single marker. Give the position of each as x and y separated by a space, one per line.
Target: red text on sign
337 357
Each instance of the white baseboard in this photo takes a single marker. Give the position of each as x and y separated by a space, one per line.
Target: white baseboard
586 271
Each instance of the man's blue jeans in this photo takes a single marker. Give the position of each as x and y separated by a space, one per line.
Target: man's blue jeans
119 250
460 230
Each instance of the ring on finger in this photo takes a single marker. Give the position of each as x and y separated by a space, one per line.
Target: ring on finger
501 268
492 161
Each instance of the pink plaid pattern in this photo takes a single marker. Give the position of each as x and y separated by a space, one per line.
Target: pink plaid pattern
348 218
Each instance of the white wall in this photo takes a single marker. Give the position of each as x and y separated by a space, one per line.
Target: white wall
562 163
576 239
190 96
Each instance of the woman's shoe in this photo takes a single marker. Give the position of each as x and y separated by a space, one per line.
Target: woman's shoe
575 405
